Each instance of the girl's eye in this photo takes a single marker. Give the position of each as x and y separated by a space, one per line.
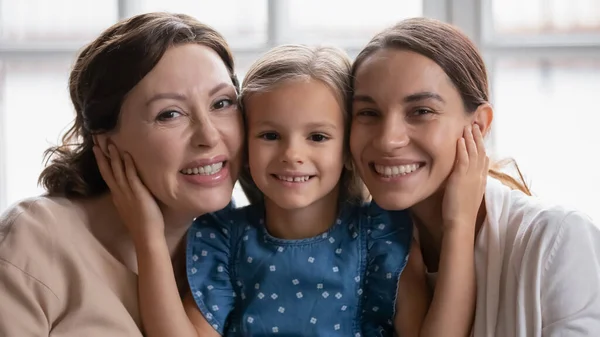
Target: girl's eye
318 138
168 115
222 104
269 136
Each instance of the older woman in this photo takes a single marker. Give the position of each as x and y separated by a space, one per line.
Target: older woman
161 88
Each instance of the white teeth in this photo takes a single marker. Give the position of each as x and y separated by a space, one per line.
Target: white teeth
390 171
204 170
294 179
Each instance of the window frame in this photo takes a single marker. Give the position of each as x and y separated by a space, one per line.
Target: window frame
474 17
552 41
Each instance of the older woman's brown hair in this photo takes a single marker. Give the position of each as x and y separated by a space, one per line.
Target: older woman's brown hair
104 73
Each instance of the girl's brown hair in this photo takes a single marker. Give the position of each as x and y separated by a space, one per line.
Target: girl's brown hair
104 72
457 55
285 63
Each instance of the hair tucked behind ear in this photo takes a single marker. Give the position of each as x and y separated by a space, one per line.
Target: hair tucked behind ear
457 55
105 71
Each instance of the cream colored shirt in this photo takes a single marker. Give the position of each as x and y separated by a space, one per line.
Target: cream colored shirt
57 280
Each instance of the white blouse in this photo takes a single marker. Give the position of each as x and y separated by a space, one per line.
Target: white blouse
538 269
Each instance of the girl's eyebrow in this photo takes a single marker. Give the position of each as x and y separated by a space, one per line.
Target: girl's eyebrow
313 125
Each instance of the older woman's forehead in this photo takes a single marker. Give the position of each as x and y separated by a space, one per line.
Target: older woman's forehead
190 65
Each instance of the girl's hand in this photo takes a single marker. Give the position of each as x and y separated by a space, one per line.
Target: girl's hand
466 184
136 205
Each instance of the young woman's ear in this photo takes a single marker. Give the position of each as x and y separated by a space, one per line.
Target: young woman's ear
483 117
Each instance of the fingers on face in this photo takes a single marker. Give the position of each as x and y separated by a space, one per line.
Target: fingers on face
480 144
462 156
470 142
131 173
475 147
104 167
117 166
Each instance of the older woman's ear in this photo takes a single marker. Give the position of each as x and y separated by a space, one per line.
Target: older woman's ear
102 141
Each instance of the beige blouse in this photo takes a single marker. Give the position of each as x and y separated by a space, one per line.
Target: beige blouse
56 279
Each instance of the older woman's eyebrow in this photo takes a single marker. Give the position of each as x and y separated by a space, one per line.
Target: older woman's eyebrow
181 97
166 95
220 87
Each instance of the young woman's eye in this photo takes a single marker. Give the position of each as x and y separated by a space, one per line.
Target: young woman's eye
222 104
168 115
269 136
422 112
317 137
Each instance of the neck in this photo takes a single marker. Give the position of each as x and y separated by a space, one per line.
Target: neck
428 220
176 226
301 223
429 223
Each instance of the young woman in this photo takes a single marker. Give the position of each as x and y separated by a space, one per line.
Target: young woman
416 86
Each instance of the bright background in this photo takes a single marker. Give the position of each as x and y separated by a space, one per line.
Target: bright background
543 58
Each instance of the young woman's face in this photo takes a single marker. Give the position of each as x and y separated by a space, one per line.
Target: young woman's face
407 117
296 144
182 127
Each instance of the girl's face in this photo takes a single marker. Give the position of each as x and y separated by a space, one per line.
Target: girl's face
407 117
296 143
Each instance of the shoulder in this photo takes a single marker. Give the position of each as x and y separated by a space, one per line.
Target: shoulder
535 216
227 223
384 221
33 220
388 233
545 225
29 237
230 216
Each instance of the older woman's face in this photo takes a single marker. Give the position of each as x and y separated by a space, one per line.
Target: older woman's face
183 129
407 117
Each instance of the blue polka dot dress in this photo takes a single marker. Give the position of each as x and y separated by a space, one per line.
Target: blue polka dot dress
340 283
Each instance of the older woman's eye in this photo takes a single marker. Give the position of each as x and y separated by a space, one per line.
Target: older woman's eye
168 115
222 104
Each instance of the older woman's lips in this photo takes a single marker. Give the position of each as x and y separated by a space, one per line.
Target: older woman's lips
206 175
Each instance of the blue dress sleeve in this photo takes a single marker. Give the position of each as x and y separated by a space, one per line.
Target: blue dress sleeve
210 266
389 235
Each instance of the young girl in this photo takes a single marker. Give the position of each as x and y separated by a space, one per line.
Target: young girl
308 257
